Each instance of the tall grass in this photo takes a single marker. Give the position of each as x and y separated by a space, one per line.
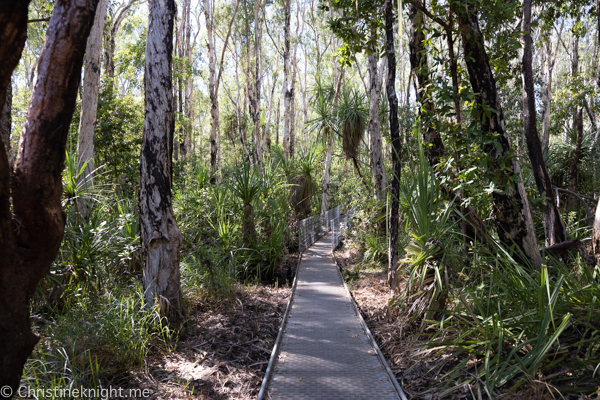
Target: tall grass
494 324
508 326
97 342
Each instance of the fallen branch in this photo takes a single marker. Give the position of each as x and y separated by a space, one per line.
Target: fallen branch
568 245
560 247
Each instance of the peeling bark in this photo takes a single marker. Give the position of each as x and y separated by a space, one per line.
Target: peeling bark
378 173
161 239
215 147
547 91
91 85
6 121
30 236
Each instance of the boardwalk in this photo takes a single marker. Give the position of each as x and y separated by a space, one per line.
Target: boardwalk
325 353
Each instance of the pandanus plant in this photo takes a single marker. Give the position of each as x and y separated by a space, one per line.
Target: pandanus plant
247 184
352 115
302 187
323 124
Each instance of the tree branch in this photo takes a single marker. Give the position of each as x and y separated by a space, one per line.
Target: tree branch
29 21
421 7
581 198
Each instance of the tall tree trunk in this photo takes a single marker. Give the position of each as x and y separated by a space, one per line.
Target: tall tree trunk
287 89
27 253
511 207
329 138
573 202
393 278
338 77
215 146
596 235
554 227
267 130
453 69
377 167
547 91
326 171
256 85
161 239
596 226
6 121
292 105
91 85
473 226
598 38
184 137
277 118
214 79
13 33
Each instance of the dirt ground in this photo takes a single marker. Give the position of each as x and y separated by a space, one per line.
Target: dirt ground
226 349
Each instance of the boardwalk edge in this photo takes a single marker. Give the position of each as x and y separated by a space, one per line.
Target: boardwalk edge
382 359
275 351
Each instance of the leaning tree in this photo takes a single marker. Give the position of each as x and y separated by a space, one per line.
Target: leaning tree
32 229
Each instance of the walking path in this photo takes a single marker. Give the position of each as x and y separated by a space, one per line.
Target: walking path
325 353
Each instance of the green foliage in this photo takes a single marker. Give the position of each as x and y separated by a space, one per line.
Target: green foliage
359 24
510 324
97 342
246 183
118 139
352 116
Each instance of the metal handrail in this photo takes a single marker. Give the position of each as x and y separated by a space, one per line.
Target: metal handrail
313 228
339 227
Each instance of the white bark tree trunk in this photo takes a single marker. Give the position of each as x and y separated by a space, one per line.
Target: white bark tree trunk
377 167
91 84
325 190
161 239
215 146
287 90
259 143
548 62
266 132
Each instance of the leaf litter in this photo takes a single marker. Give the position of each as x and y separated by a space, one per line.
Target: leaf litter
225 351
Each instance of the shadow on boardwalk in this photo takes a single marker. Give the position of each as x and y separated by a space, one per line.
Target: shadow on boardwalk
325 353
